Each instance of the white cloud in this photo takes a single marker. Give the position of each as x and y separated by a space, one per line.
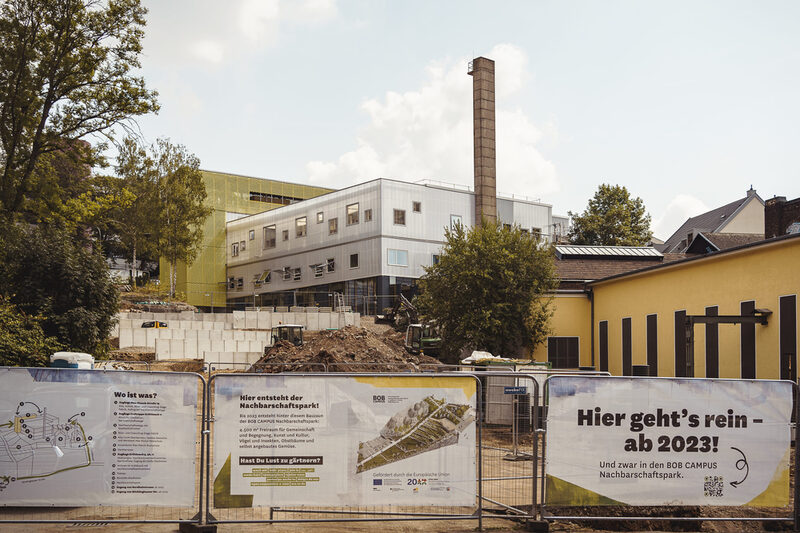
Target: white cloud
207 50
259 20
427 133
680 208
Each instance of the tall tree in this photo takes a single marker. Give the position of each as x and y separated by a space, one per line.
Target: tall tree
612 218
66 72
490 290
22 340
181 194
137 223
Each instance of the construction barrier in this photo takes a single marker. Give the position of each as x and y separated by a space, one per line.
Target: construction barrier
100 445
273 445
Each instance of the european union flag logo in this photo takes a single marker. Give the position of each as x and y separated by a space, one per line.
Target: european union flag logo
377 482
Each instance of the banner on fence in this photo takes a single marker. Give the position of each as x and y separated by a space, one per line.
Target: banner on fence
338 440
662 441
86 437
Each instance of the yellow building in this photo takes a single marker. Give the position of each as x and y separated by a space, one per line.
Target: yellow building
230 196
640 317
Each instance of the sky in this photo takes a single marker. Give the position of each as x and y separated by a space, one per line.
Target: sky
685 103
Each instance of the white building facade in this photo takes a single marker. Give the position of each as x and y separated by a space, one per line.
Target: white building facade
366 242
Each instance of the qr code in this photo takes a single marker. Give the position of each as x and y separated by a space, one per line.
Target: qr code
713 486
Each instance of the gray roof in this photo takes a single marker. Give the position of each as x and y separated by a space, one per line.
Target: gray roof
580 250
708 222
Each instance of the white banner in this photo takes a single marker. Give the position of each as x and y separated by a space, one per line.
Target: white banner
336 440
87 437
663 441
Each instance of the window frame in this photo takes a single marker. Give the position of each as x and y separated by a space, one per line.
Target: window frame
242 246
300 228
358 261
251 235
274 241
368 215
285 234
459 220
351 214
331 264
565 357
416 207
402 217
320 217
333 226
235 249
396 252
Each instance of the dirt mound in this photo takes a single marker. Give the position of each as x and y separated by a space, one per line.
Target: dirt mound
147 302
351 349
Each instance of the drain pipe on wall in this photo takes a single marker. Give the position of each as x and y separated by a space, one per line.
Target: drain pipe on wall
590 294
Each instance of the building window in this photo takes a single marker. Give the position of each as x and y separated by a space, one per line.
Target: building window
252 234
455 220
287 273
398 257
243 246
331 265
298 274
435 259
269 236
416 207
352 214
286 235
353 260
240 283
400 217
231 283
235 249
367 215
333 226
318 270
273 198
320 217
266 277
562 352
300 227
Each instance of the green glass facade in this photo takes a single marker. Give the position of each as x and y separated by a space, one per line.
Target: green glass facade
203 282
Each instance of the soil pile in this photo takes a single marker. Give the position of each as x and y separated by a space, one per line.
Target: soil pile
350 349
143 301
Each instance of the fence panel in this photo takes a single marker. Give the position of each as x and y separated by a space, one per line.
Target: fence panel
100 445
344 447
666 442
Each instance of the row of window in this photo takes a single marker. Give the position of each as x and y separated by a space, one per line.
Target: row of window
293 273
301 225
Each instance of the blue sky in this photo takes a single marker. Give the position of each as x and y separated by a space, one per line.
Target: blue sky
685 103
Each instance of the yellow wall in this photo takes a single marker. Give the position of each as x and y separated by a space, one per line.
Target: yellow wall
227 193
571 318
761 273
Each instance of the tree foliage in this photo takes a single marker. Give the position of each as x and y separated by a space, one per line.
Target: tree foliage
490 290
169 208
612 218
22 340
66 72
46 273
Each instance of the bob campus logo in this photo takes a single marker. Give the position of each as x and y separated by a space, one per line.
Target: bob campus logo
378 398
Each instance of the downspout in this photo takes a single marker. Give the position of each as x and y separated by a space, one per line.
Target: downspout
591 321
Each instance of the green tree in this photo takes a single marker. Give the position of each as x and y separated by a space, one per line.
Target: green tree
170 203
490 290
137 223
45 272
612 218
66 72
22 340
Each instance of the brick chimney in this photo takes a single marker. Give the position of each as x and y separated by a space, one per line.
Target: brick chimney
482 71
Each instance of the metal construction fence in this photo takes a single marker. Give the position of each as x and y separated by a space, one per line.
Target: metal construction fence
274 445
